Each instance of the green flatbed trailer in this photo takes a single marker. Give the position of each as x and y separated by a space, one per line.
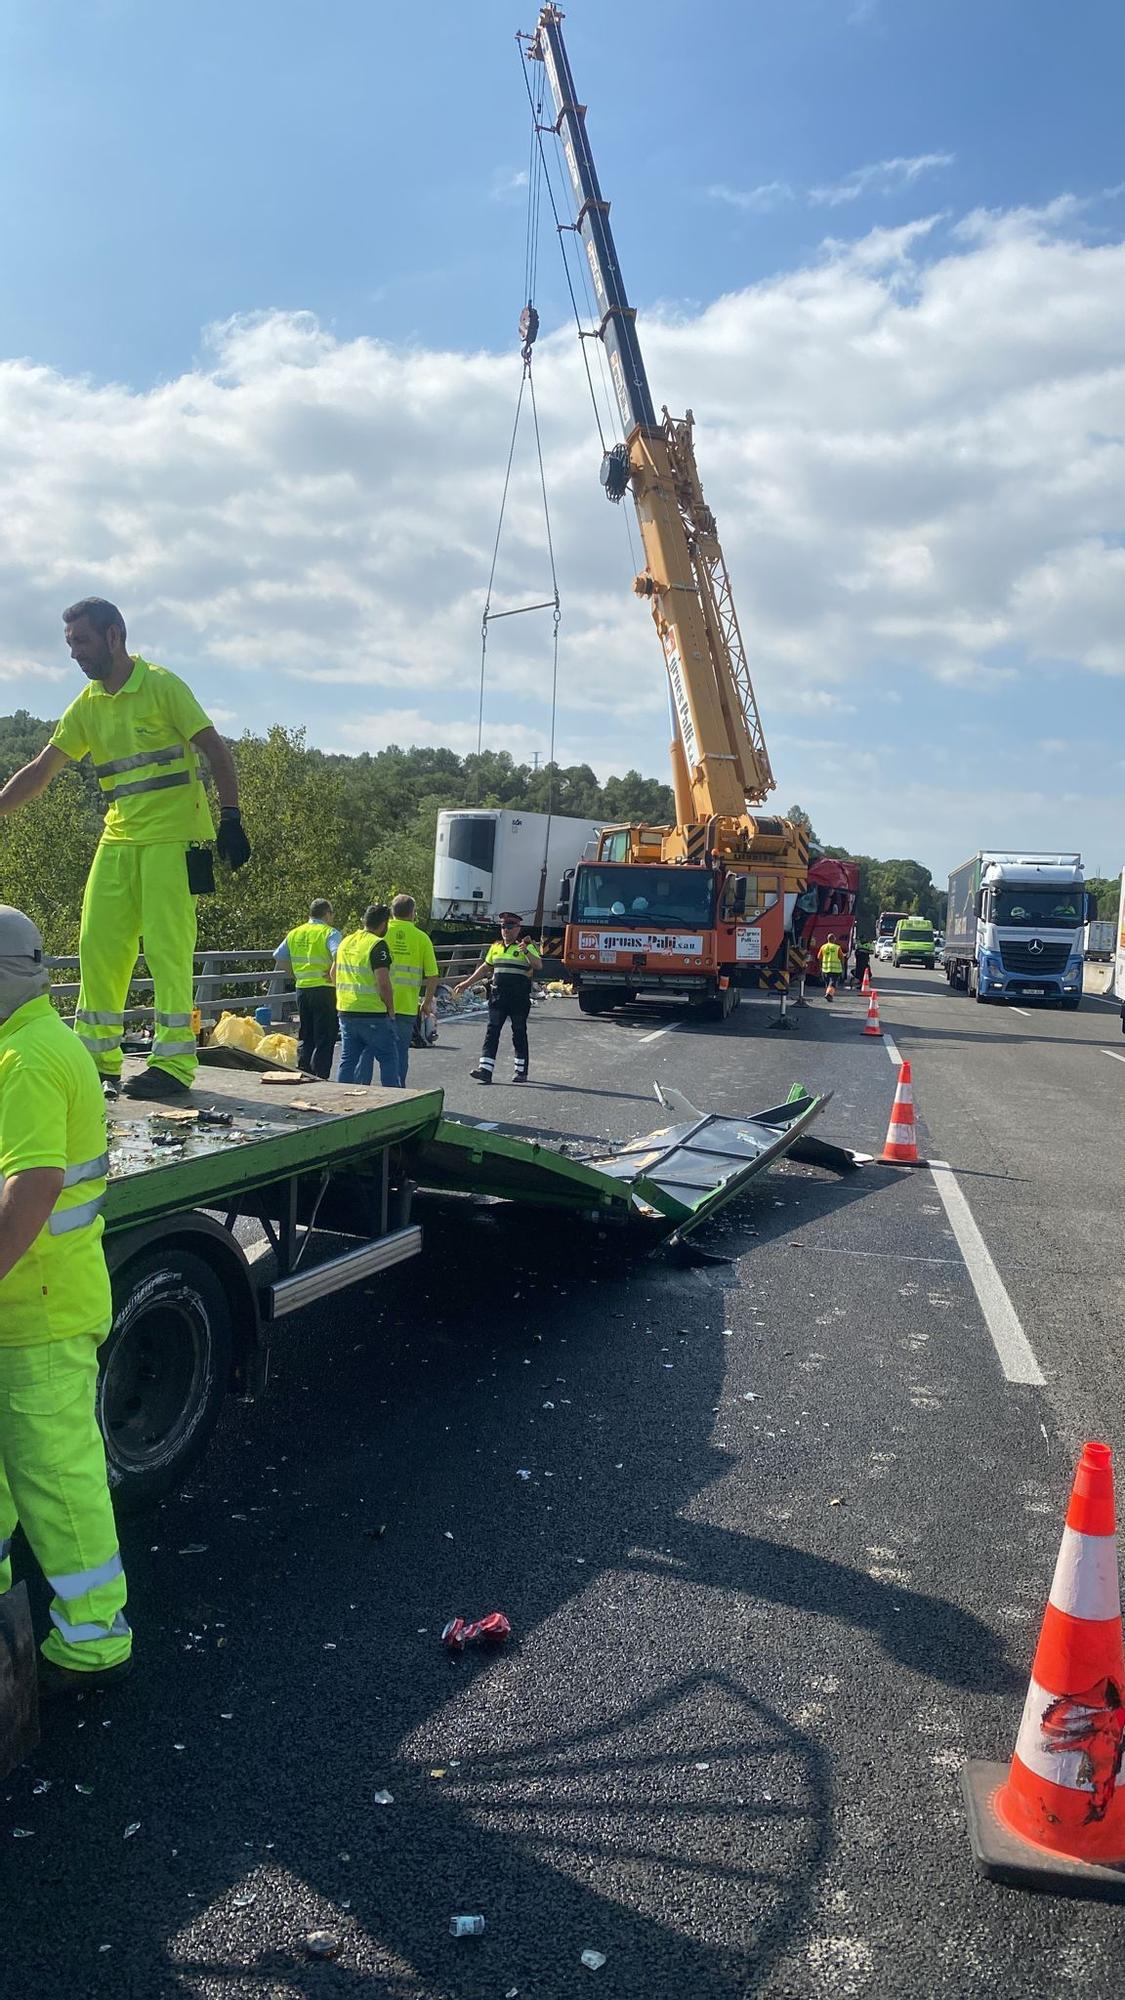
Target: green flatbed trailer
193 1308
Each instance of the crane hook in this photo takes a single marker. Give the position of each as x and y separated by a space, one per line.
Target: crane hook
529 327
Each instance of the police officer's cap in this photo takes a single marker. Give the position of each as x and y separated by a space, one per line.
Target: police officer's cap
19 937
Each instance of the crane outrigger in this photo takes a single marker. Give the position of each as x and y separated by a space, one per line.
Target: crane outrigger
702 909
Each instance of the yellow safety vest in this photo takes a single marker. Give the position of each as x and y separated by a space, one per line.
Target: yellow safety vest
52 1114
356 990
830 960
510 964
310 954
412 960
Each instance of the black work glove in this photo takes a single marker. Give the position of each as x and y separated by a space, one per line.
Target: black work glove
230 841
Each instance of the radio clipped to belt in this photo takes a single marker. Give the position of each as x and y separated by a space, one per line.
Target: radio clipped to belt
200 870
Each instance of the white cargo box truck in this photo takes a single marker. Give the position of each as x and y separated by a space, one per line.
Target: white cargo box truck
489 860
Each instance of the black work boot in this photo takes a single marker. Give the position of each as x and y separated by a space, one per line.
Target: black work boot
56 1680
481 1075
157 1084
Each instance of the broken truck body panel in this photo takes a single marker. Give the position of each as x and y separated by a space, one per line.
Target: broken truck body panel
688 1171
464 1158
680 1173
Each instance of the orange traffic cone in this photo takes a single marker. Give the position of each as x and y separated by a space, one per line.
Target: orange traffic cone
901 1149
871 1025
1057 1817
866 987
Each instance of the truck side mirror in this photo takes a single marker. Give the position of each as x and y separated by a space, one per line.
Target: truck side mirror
1089 907
978 903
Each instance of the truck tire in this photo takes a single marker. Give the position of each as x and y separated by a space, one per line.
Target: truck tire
591 1003
1071 1006
164 1372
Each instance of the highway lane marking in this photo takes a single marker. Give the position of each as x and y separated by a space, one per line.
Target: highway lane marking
1008 1337
1115 1053
1025 1011
657 1032
892 1050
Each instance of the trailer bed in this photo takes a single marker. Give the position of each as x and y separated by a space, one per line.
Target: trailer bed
237 1131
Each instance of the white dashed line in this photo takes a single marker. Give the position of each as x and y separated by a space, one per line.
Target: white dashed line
1025 1011
1008 1337
1117 1056
657 1032
892 1050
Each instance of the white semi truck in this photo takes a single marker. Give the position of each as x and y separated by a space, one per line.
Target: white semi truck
489 860
1015 925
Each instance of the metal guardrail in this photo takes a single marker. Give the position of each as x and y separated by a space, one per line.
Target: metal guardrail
220 977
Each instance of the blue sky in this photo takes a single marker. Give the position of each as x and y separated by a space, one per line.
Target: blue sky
166 170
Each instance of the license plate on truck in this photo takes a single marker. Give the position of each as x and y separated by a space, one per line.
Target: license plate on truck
1030 991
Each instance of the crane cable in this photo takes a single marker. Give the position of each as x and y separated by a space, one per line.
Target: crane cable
529 328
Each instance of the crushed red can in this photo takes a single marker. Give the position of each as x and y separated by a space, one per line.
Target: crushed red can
491 1630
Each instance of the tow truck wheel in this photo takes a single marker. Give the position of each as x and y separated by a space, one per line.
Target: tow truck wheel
164 1373
591 1003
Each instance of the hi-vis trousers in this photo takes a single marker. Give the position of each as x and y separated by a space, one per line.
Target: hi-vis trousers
53 1482
135 891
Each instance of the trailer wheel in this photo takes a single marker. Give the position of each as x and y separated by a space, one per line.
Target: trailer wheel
164 1372
592 1003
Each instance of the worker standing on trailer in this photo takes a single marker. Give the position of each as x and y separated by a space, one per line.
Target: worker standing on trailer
309 950
831 965
414 975
54 1313
511 966
143 728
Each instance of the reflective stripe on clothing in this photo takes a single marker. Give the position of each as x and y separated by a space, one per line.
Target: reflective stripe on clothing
137 887
310 954
142 757
145 729
412 961
148 785
79 1581
52 1115
79 1635
356 989
53 1481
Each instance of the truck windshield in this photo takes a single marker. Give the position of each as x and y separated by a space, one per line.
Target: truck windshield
644 897
1037 909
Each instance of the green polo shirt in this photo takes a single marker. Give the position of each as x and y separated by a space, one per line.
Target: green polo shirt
140 742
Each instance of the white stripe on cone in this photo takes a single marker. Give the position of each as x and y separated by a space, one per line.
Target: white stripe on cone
900 1135
1060 1767
1085 1582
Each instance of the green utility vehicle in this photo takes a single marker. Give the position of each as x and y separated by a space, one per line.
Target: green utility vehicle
914 942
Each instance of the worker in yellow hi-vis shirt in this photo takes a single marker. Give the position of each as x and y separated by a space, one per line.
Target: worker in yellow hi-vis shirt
55 1310
143 728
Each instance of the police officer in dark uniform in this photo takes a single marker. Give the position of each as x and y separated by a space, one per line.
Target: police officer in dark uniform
511 966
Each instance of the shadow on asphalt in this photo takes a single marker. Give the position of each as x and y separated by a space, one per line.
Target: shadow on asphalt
287 1610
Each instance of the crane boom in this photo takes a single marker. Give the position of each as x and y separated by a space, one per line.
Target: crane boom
720 764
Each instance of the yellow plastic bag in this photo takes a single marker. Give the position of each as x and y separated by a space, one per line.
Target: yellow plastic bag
233 1031
279 1049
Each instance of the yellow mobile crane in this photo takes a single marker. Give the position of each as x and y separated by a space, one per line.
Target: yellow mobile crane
701 909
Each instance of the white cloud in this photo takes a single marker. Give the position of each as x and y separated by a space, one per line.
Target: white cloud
914 445
880 177
760 200
507 183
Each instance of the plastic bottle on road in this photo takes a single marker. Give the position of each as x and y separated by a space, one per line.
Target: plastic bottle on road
466 1926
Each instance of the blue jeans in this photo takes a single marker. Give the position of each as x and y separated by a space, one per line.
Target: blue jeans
365 1040
404 1034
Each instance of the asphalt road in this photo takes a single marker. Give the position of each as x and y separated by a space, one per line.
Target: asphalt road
775 1570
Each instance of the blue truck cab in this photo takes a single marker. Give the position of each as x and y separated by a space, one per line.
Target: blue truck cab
1014 929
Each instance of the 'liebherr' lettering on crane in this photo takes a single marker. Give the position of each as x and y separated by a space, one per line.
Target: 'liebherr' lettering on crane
679 699
619 388
575 176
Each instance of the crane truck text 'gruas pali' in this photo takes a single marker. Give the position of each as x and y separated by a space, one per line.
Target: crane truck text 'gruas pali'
699 910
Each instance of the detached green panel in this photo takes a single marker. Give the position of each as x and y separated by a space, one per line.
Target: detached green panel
467 1160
